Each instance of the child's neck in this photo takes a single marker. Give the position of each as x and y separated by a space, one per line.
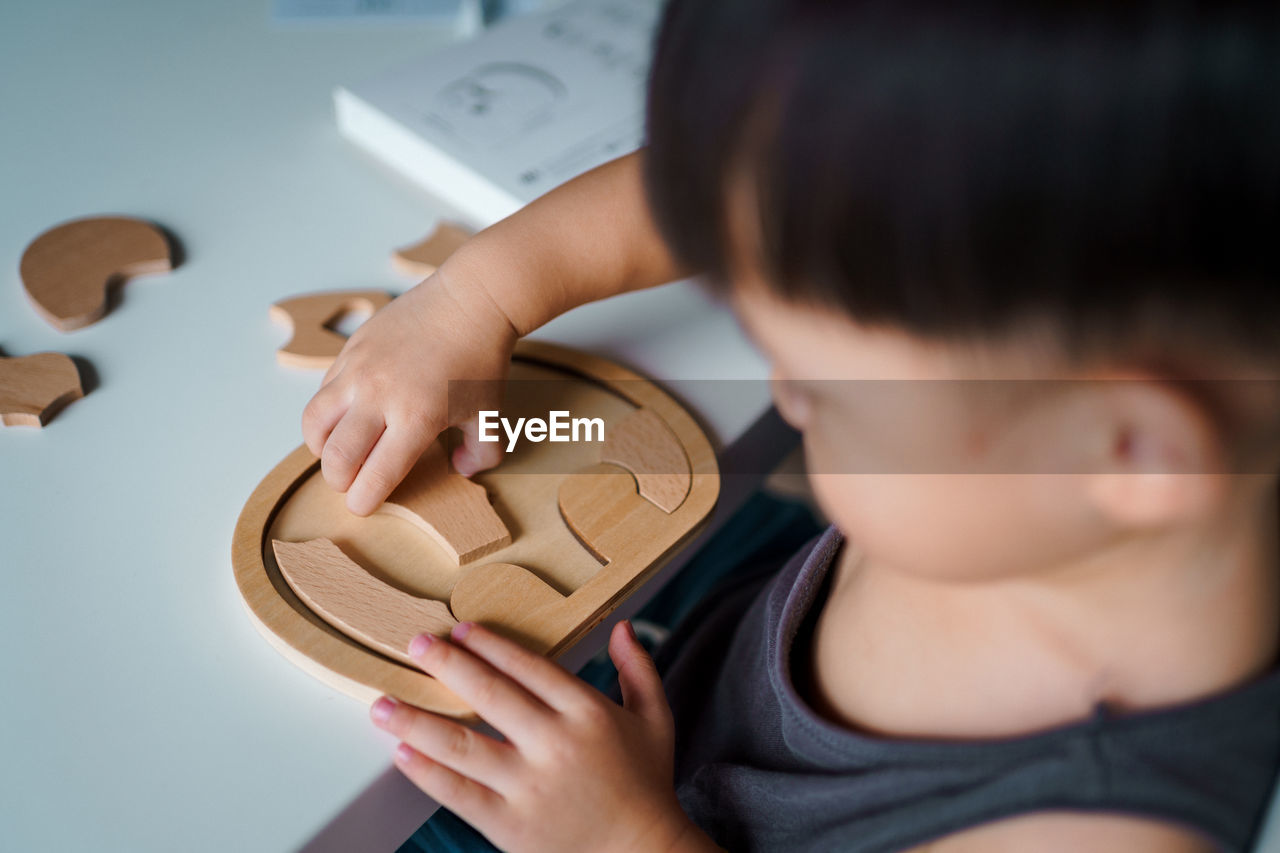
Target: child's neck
1149 622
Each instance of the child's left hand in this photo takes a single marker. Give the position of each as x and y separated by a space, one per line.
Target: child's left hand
576 771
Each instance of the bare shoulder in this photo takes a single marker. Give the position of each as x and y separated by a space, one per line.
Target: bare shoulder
1051 832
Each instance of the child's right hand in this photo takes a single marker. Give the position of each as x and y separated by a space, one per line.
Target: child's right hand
387 397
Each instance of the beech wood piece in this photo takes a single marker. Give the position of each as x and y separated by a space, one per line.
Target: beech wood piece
425 257
544 589
452 510
68 270
647 447
512 600
314 344
356 603
599 505
34 388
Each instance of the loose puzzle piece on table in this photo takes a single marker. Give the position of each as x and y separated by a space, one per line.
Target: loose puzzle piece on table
68 270
425 257
314 344
33 388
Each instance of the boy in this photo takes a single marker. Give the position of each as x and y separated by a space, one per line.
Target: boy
1047 615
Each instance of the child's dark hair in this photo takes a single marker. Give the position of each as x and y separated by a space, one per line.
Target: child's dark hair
957 168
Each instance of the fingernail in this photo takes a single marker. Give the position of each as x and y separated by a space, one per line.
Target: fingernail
381 710
419 645
404 754
464 464
461 630
631 631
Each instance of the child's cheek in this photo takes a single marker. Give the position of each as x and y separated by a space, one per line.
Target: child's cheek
790 401
894 519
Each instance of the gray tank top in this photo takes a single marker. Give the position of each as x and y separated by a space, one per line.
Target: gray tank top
758 769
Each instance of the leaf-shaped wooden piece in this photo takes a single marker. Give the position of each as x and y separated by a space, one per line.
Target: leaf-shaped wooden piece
355 602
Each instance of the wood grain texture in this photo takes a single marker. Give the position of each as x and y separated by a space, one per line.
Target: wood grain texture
313 344
424 257
647 447
452 510
512 601
599 505
357 604
543 589
34 388
68 270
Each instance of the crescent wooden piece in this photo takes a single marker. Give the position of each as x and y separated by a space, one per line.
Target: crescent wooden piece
646 446
599 505
355 602
33 388
452 510
68 269
424 257
314 344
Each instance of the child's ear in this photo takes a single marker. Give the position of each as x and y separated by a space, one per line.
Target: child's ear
1161 457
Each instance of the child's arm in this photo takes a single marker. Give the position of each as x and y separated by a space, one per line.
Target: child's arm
575 771
385 397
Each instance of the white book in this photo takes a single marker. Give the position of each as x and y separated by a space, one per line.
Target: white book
463 15
490 124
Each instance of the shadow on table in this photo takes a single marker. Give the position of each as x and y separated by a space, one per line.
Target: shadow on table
381 818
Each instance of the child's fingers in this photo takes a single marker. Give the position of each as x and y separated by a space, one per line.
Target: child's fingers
474 455
457 747
541 677
348 446
638 677
334 369
505 705
386 465
470 800
320 416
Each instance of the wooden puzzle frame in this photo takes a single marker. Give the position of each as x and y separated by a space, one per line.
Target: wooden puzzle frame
637 537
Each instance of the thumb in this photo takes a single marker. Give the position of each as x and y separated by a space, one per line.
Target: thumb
638 677
473 455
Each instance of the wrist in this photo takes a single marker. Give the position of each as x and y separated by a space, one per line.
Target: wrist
463 291
488 269
689 838
671 832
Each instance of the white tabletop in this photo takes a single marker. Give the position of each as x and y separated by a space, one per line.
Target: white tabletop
139 709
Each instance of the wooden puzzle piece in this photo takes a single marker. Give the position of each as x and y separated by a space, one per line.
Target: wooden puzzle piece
68 270
452 510
314 344
512 601
599 506
644 445
33 388
424 257
359 605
